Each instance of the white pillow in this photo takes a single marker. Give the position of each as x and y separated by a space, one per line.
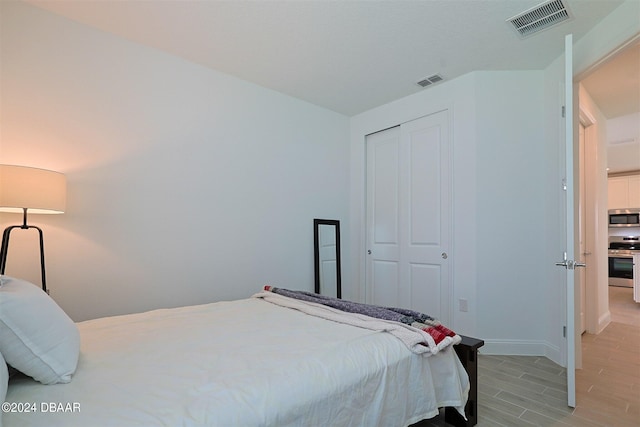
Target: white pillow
36 336
4 382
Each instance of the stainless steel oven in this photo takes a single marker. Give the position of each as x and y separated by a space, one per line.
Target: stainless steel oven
621 251
621 270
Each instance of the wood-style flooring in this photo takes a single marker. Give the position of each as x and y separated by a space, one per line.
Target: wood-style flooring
531 391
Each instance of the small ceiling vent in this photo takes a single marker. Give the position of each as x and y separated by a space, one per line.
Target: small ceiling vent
430 80
540 17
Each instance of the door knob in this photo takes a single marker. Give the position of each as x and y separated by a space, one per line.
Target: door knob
565 263
570 264
444 255
369 251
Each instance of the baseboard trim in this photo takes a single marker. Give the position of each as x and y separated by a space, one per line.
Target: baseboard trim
521 348
604 321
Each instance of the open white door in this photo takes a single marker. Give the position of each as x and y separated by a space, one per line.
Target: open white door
568 261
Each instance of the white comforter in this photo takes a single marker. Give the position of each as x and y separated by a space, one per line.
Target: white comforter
241 363
416 340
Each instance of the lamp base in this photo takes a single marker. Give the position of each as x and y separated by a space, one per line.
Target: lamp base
4 249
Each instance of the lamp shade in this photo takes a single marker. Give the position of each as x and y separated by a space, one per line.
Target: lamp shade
38 190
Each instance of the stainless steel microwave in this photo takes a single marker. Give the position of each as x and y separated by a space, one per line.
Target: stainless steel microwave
624 217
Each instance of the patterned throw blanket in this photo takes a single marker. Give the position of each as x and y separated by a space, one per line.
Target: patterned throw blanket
419 332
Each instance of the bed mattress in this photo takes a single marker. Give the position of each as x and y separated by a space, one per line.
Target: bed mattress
240 363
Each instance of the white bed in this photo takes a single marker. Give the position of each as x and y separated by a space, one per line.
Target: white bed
240 363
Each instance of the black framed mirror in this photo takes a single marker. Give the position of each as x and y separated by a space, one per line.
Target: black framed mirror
326 243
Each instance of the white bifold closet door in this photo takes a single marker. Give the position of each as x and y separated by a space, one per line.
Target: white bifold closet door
408 210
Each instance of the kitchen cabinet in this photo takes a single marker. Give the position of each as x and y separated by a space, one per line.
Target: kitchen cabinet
634 191
636 277
624 192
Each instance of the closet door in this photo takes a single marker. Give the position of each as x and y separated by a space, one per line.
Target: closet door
408 216
383 219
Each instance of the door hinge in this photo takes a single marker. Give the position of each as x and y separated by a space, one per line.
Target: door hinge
564 111
564 184
564 331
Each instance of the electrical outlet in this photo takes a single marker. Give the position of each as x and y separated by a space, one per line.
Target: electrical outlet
464 304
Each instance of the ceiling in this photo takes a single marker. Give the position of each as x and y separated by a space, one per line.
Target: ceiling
615 85
347 56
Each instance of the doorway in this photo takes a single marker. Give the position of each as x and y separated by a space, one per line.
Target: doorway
604 95
597 87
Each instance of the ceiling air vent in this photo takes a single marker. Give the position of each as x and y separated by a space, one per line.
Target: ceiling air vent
430 80
540 17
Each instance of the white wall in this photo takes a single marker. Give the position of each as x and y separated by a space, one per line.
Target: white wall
512 237
184 185
623 139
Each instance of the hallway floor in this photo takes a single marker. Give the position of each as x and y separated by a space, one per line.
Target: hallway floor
519 391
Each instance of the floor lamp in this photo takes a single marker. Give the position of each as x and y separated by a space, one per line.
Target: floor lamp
29 190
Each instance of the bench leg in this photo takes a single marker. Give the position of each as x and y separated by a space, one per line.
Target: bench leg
467 352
